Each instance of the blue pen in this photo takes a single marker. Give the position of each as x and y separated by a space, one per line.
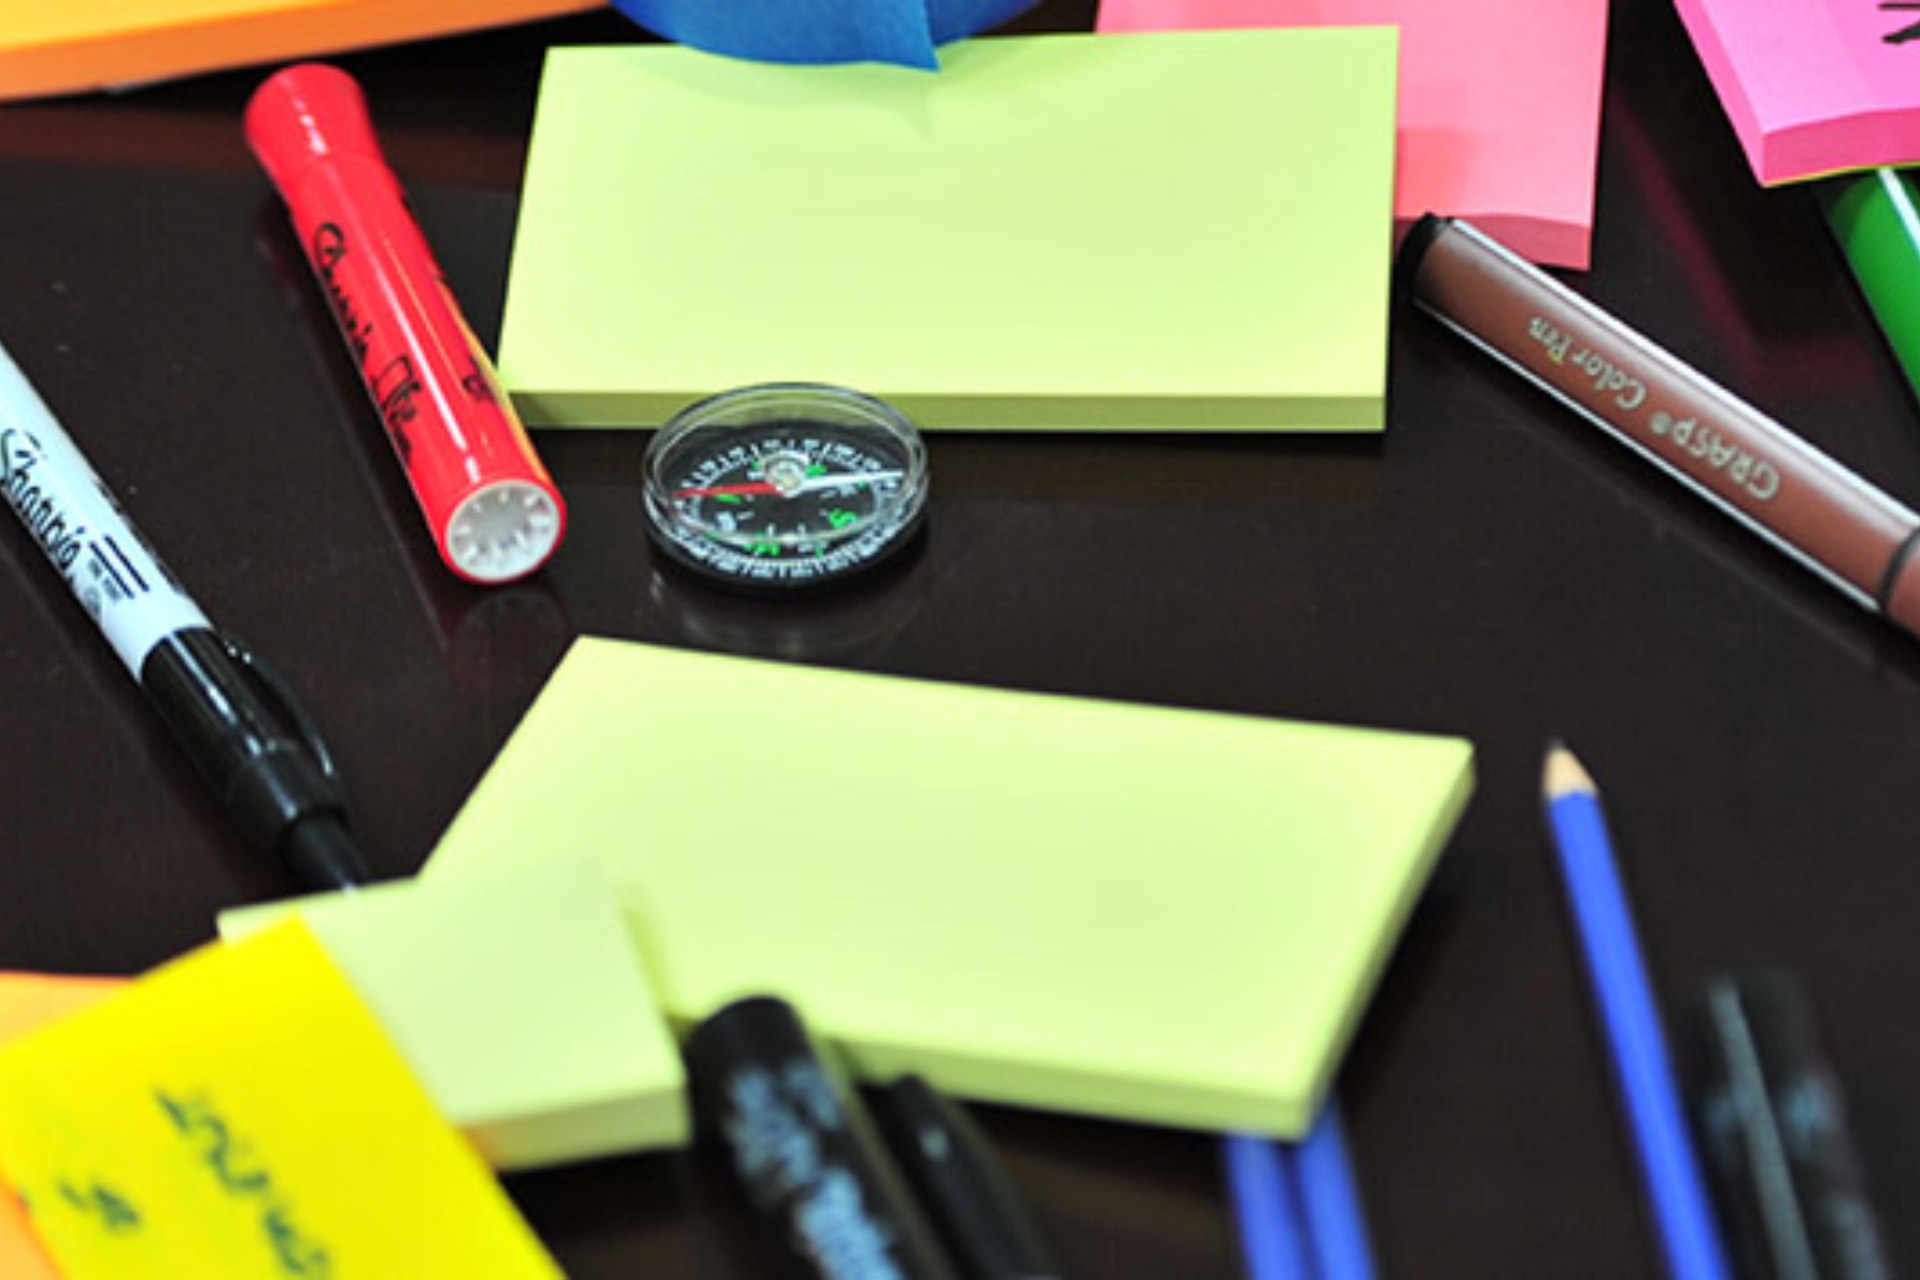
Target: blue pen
1642 1066
1266 1203
1335 1223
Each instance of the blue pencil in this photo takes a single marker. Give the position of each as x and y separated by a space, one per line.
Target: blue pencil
1668 1164
1335 1223
1273 1238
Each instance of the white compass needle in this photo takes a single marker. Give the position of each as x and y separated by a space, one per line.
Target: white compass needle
846 477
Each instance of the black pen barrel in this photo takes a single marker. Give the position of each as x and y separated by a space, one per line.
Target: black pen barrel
803 1149
258 764
967 1192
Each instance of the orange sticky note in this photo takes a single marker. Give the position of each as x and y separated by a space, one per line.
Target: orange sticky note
239 1113
21 1257
29 1001
92 44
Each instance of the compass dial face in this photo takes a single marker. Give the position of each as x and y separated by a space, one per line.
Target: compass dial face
784 487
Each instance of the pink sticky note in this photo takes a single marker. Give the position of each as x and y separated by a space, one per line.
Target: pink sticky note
1499 103
1813 86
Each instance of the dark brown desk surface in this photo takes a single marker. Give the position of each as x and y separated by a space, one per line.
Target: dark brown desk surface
1489 568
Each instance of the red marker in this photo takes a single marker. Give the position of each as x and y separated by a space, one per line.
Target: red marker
494 511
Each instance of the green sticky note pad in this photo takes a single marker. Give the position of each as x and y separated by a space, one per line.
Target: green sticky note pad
1143 913
520 1002
1179 231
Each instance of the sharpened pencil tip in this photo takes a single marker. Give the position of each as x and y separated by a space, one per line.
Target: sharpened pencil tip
1563 774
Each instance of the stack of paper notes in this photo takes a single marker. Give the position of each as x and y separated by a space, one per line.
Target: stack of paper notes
1813 88
240 1112
1499 103
1146 913
77 45
1189 231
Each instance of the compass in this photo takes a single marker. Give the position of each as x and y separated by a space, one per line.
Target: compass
785 486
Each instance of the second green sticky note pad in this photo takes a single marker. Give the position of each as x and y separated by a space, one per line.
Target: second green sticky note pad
1151 232
1129 911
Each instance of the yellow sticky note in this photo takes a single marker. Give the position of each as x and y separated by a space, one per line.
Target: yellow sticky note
238 1113
1140 912
29 1001
1188 231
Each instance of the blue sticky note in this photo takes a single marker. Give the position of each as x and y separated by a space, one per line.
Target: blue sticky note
900 31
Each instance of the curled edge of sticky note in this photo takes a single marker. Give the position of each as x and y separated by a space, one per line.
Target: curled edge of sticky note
519 1001
899 31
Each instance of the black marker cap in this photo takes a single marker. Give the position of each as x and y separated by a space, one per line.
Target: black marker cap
1413 251
257 748
803 1149
948 1160
1774 1135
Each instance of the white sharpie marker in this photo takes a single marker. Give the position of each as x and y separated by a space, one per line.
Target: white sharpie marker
242 728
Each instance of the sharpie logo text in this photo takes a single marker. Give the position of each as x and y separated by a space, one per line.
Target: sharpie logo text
329 249
777 1125
19 458
1608 378
1756 475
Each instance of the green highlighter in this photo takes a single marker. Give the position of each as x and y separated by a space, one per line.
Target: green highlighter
1875 217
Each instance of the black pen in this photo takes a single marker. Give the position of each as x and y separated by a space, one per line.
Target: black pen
803 1150
1774 1132
239 724
975 1206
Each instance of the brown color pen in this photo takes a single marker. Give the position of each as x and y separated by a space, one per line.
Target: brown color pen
1725 450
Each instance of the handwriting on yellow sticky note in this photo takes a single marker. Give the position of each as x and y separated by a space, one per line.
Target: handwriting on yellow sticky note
240 1114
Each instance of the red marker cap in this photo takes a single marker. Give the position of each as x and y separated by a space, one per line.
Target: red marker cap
306 114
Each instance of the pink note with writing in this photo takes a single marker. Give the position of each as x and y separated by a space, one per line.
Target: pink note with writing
1499 103
1813 86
